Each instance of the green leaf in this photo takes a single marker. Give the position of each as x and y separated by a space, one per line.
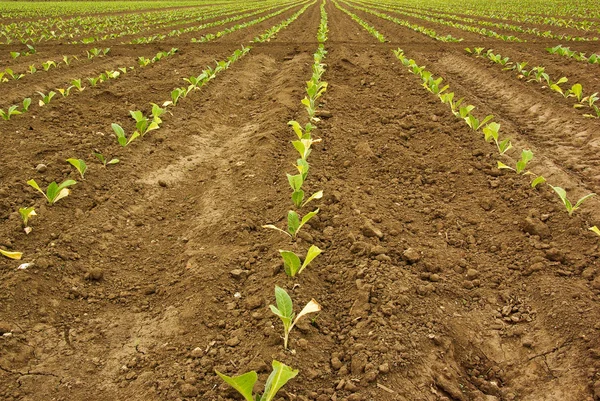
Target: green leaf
79 164
295 181
244 384
562 194
284 302
35 185
137 115
583 199
503 166
280 375
316 195
293 222
297 197
120 134
526 156
297 128
312 253
595 230
306 218
273 227
291 262
537 181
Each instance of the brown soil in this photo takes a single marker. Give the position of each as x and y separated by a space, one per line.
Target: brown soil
441 279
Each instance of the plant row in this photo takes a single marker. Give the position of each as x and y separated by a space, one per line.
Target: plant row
365 25
78 84
417 28
501 25
490 129
284 308
538 74
457 25
49 64
579 56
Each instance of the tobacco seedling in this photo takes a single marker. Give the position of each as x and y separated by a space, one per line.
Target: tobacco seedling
14 55
14 76
285 312
569 206
46 98
12 111
48 64
80 165
26 213
291 261
26 103
526 156
11 255
294 223
94 80
32 69
244 384
143 61
77 83
143 123
491 132
54 192
303 146
65 92
175 95
474 123
302 133
105 162
121 137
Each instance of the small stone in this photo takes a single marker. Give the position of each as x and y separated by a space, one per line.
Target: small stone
369 230
232 342
472 274
188 391
358 363
527 342
303 343
253 302
384 368
411 255
162 183
41 168
378 250
535 226
258 365
131 376
336 363
364 150
323 114
554 255
312 374
596 283
94 274
150 289
238 274
350 386
197 353
4 328
371 376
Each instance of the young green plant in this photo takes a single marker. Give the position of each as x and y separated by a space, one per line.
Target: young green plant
244 384
26 213
80 165
105 162
121 137
568 205
54 192
292 264
285 311
294 223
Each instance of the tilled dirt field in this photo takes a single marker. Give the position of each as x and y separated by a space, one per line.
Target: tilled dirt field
442 278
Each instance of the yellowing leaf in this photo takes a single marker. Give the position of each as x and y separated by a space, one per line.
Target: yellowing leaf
11 255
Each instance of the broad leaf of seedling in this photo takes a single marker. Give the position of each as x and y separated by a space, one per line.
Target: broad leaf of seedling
244 384
297 197
291 262
316 195
306 218
312 253
293 222
563 197
526 156
537 181
280 375
297 128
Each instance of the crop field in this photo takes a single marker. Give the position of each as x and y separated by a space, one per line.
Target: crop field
300 200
